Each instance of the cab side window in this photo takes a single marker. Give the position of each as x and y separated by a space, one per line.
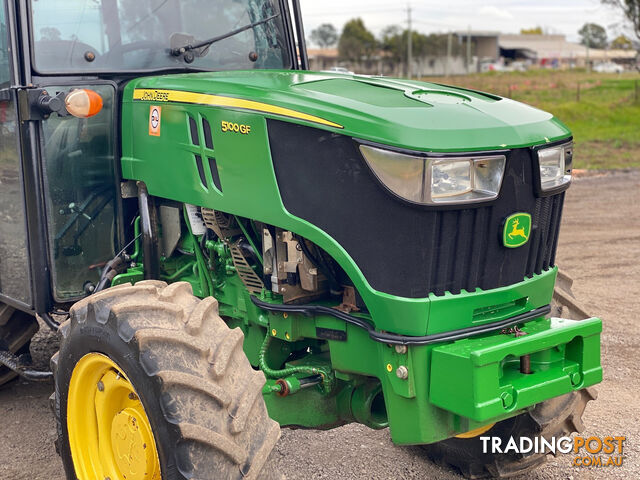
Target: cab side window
14 260
4 49
80 181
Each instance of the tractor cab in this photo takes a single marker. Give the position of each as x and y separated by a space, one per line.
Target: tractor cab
71 208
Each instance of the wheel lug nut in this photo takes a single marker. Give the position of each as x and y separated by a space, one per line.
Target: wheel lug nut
133 396
100 386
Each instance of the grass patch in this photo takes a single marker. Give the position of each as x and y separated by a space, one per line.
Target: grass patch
602 110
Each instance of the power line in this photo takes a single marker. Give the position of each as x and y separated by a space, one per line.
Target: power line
355 12
437 24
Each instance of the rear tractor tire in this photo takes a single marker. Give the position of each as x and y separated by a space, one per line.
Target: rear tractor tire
16 330
558 417
152 384
564 303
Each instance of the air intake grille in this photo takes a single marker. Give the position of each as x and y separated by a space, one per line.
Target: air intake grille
402 249
465 252
197 134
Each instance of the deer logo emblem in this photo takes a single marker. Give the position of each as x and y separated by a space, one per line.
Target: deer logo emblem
517 229
516 232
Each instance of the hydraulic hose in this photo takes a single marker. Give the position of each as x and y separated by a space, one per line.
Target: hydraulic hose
49 321
286 372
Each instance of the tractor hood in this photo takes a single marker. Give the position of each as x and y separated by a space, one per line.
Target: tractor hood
402 113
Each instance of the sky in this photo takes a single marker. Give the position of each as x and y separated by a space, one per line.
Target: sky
431 16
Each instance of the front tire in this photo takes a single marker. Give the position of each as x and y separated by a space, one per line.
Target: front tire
179 378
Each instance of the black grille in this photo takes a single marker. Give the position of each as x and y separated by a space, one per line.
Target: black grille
405 249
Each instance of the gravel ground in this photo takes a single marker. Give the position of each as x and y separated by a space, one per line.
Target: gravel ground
599 242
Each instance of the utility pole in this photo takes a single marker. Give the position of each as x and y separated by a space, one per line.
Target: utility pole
409 44
588 45
449 45
469 49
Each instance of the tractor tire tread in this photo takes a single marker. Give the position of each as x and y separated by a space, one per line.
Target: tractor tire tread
204 396
195 383
224 352
564 303
558 417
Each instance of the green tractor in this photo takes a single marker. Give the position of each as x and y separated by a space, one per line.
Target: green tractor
229 243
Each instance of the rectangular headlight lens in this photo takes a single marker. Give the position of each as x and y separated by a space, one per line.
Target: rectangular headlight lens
450 178
437 180
555 166
402 174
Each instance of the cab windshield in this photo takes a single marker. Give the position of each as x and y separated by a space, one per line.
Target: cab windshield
78 36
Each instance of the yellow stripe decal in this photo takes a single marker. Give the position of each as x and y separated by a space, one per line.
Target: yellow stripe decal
152 95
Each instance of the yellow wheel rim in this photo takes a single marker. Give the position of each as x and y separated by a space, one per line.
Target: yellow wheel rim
109 432
476 431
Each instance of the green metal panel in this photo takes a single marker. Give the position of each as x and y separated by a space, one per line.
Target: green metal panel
450 312
249 188
429 404
403 113
413 115
565 356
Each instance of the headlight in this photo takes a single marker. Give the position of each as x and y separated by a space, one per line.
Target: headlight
555 166
402 174
435 181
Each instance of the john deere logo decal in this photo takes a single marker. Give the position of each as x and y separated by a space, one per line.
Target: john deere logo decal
517 229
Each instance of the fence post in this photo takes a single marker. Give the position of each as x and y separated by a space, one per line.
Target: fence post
578 93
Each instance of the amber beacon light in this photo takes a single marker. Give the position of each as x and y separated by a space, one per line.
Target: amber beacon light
83 103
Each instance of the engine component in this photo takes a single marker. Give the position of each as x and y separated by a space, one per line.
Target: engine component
170 222
223 226
293 273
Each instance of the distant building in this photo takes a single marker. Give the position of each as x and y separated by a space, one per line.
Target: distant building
556 51
487 51
323 58
484 44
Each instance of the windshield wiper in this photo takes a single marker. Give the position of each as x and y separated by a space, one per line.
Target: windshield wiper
176 52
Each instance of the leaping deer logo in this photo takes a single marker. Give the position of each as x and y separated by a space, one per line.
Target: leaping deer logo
515 231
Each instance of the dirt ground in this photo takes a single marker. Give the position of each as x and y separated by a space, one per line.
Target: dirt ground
599 245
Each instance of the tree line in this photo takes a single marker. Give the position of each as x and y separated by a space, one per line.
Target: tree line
356 42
